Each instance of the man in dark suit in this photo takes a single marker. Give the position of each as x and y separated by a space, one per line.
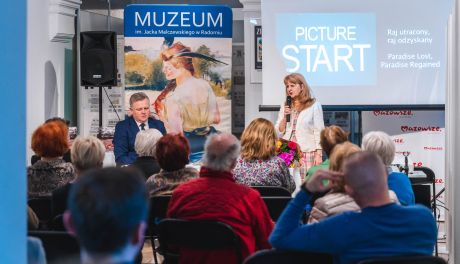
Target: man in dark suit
126 130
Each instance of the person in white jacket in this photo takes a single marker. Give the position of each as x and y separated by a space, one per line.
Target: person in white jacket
306 120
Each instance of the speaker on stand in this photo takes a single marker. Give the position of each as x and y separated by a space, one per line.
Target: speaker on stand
98 62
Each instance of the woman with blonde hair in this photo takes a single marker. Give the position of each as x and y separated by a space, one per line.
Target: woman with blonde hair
336 200
380 143
86 153
258 164
305 119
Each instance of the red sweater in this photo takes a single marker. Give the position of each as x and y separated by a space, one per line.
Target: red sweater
215 196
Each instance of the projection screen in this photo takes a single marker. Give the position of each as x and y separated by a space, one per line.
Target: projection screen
357 52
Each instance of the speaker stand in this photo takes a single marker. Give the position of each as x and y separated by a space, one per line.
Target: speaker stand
99 133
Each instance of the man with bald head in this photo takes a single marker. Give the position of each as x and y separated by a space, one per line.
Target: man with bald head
216 196
381 229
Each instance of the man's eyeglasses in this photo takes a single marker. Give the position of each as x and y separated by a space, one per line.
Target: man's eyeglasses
140 109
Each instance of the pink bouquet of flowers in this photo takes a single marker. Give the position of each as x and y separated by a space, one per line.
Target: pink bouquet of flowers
288 151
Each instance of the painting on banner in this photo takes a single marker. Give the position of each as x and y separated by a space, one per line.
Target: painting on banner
180 56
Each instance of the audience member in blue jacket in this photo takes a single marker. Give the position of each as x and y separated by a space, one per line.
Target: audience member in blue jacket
381 144
126 130
381 228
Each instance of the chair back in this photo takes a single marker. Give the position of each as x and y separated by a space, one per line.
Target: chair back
272 191
158 209
41 206
428 172
57 223
405 260
422 194
175 234
274 256
276 205
59 246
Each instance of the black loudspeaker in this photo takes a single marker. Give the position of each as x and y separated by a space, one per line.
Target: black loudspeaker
98 58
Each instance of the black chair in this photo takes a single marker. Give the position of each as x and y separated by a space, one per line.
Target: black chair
57 224
276 205
274 256
430 178
177 234
272 191
41 206
422 194
59 246
158 208
405 260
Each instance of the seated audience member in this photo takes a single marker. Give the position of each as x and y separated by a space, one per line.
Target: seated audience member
50 142
35 251
87 153
329 137
32 219
145 146
216 196
66 155
126 130
258 163
107 211
337 200
381 229
381 144
172 152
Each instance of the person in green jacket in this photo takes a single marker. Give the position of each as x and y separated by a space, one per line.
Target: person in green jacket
329 137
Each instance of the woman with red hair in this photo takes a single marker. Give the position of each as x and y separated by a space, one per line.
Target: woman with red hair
49 141
172 153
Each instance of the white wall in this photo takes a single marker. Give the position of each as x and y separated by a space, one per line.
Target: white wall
253 78
453 137
41 50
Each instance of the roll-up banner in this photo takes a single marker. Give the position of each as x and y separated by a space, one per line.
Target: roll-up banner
180 56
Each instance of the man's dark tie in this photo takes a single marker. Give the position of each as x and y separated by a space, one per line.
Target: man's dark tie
142 125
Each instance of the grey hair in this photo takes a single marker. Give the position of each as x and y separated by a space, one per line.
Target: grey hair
146 142
221 152
87 152
135 97
381 144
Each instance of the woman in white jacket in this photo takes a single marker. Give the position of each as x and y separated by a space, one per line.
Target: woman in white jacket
306 120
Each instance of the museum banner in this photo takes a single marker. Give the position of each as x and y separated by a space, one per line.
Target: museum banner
180 56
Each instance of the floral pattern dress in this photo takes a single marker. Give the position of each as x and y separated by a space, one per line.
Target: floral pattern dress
46 176
271 172
164 182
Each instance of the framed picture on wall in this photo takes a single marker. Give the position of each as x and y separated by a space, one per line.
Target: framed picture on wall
258 47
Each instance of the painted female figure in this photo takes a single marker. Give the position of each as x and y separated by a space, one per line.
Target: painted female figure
188 104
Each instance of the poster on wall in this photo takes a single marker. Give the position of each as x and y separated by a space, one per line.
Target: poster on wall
258 47
338 118
180 56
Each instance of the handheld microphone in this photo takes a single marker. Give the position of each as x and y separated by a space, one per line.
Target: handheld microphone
288 103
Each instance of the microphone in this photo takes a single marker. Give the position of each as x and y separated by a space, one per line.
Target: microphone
288 103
